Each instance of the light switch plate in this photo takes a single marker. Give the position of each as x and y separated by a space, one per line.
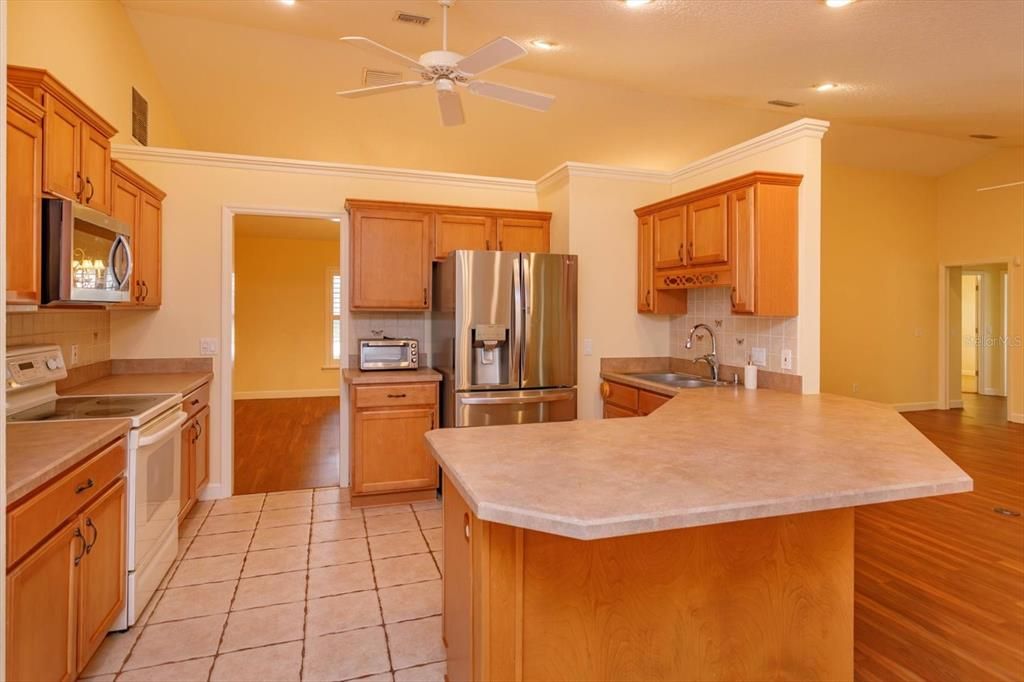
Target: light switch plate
207 346
74 354
787 359
588 346
759 356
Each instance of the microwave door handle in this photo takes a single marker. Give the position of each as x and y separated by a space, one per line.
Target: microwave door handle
121 243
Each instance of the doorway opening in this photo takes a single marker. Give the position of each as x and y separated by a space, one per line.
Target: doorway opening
977 313
286 350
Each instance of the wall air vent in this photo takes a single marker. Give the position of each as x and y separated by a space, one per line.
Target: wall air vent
374 77
983 136
408 18
783 103
140 118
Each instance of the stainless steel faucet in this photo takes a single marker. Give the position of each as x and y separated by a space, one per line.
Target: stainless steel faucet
710 358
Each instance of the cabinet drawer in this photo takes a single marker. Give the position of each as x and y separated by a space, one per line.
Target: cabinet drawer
32 520
622 396
649 402
196 400
612 412
395 395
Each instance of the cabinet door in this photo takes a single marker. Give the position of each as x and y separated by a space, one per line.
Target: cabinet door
189 434
390 454
24 190
451 232
707 231
95 169
524 234
62 132
613 412
41 610
147 259
201 455
741 225
457 584
645 265
670 238
102 571
391 259
125 205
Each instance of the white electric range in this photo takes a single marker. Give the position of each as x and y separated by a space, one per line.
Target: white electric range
154 459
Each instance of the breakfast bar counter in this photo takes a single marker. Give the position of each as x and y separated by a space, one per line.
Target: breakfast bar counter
712 539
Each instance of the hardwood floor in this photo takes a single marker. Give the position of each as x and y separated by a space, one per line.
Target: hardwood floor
286 444
940 581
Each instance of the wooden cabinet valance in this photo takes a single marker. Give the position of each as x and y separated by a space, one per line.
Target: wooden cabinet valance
393 244
741 234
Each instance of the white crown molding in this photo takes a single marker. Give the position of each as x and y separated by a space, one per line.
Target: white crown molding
811 128
576 169
130 152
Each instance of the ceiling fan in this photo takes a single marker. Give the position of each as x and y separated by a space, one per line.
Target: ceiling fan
448 70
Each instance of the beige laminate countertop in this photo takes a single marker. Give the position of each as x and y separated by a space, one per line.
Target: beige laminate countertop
39 452
708 456
170 382
354 375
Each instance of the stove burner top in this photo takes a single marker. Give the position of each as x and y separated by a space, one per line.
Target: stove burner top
90 407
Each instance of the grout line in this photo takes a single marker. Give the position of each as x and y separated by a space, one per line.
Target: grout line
380 605
305 602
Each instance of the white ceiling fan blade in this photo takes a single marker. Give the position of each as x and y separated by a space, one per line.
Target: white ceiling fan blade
379 50
495 53
363 92
451 107
506 93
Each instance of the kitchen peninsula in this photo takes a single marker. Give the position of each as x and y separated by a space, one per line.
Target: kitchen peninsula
712 539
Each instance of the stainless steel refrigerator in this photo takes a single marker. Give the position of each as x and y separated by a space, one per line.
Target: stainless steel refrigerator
503 335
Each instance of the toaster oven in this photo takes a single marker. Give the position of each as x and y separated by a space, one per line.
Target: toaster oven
388 354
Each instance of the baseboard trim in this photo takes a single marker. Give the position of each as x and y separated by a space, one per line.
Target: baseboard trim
915 407
296 393
991 391
956 404
1016 417
213 491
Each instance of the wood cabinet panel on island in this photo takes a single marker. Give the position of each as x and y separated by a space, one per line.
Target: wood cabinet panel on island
394 243
621 400
24 192
740 234
67 573
195 448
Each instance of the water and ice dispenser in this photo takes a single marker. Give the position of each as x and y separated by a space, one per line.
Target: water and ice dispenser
491 350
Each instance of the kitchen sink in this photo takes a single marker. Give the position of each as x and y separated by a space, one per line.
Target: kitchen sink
678 380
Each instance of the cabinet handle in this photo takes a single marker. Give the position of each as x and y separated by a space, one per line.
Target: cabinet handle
679 253
78 182
501 245
95 535
192 430
145 290
82 487
732 296
487 244
606 390
689 250
199 430
138 288
465 525
78 536
195 401
92 190
647 298
396 395
424 297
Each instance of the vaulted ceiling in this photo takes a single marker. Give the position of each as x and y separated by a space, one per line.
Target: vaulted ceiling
653 86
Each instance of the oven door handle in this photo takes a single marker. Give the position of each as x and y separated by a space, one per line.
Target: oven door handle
121 243
160 435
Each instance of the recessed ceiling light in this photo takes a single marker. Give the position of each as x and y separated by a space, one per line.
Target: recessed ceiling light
825 87
636 3
287 2
544 44
335 220
838 3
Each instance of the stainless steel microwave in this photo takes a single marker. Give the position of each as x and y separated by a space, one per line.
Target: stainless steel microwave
388 354
87 255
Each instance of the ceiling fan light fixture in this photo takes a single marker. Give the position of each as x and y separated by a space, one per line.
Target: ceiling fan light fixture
542 44
826 87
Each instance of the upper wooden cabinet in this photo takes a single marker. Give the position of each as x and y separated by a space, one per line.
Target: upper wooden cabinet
76 140
24 191
393 243
137 202
740 234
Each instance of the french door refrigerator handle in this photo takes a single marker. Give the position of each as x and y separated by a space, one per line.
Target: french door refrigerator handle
545 397
516 321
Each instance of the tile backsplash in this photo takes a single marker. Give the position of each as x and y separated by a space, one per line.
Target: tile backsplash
88 329
736 334
397 325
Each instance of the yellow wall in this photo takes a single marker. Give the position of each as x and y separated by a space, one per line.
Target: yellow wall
879 318
91 47
988 227
281 300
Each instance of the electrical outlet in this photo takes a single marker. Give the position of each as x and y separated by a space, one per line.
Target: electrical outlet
588 346
759 356
74 354
207 346
787 359
856 387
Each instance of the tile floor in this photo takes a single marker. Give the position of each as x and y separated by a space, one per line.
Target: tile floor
289 586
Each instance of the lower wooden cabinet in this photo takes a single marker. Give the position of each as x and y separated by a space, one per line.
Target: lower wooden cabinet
195 457
389 456
63 594
628 401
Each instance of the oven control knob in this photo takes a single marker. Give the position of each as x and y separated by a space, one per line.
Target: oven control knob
52 364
